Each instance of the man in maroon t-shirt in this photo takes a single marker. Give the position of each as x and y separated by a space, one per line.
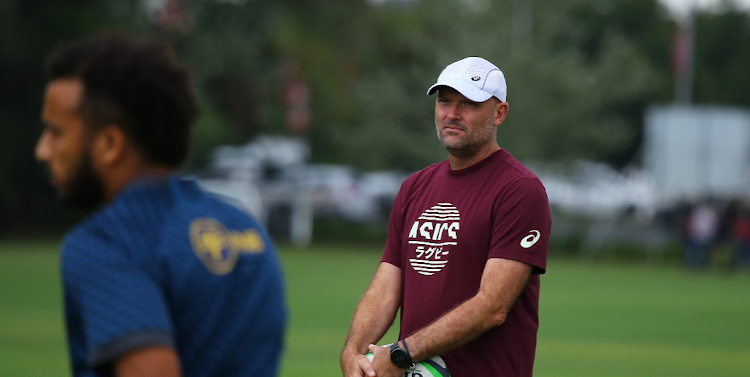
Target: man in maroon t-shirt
467 241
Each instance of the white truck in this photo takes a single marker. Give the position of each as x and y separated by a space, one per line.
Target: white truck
695 152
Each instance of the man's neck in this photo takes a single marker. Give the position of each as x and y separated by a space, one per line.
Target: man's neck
115 184
463 162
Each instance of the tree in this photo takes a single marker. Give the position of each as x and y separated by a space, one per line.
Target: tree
29 29
722 57
580 74
566 100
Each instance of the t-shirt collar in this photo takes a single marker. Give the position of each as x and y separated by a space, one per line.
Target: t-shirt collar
500 153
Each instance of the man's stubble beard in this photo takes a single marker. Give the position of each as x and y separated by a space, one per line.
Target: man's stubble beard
85 189
473 142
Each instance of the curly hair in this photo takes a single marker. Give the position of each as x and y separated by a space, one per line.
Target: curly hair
137 85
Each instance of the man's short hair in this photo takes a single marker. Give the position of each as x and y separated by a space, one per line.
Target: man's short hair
136 85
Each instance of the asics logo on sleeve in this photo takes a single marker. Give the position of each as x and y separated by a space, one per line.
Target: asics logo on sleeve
530 240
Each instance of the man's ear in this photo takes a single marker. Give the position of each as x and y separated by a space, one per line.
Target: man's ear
109 145
501 111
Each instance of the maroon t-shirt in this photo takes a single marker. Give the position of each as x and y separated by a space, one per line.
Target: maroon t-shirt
444 226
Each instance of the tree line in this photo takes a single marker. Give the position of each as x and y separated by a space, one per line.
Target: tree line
580 75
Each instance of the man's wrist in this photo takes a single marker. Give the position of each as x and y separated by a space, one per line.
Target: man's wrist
401 356
408 351
350 351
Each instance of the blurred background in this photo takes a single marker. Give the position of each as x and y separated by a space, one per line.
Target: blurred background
635 114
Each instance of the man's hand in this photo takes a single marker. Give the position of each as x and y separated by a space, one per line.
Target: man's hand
381 361
355 364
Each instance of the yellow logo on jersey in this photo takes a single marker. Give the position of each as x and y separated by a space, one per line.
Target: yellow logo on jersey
219 248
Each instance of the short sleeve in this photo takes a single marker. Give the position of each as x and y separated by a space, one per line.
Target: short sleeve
118 306
393 245
521 224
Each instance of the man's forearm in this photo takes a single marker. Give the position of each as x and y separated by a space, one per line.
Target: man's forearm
152 361
376 309
375 312
371 320
455 328
502 282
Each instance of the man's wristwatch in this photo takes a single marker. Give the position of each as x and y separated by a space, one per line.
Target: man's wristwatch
399 356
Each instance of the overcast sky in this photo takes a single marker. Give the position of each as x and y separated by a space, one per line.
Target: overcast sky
682 6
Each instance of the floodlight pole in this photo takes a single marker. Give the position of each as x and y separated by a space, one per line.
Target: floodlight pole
684 48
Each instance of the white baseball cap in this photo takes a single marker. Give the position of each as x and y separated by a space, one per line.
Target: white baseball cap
475 78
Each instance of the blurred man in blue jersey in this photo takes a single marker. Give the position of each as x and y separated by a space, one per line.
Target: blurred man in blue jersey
163 279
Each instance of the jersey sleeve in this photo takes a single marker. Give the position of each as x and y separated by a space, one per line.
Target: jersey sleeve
119 307
521 224
393 245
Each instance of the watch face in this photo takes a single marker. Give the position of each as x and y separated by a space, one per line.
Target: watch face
399 358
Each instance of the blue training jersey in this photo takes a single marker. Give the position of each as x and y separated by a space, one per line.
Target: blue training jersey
167 264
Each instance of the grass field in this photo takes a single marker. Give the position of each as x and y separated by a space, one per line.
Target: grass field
597 320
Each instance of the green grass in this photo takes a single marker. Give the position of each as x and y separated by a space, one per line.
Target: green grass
597 319
31 327
626 321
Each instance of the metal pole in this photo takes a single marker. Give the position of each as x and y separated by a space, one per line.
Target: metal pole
684 59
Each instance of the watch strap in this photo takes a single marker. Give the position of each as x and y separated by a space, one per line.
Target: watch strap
406 347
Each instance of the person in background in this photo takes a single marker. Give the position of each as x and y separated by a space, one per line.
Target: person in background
162 279
741 232
702 227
